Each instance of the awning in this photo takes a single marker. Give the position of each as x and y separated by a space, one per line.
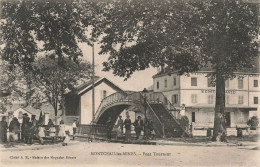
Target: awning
228 106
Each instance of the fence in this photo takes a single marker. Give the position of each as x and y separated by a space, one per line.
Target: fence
96 129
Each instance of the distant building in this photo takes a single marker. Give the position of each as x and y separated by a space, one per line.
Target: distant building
79 102
18 113
17 110
195 93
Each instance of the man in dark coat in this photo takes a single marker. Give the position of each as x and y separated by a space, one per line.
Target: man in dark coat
15 127
120 123
139 125
33 129
25 116
3 129
127 124
27 129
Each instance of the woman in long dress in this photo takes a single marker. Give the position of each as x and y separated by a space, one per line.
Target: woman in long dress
40 134
127 124
52 131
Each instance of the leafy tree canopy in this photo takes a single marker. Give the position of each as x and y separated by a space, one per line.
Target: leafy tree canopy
184 36
51 81
31 27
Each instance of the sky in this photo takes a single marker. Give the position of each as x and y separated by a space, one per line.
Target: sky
138 81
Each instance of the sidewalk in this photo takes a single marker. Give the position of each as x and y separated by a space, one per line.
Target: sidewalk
251 141
194 141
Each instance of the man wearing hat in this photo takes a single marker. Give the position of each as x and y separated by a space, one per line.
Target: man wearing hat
25 116
139 124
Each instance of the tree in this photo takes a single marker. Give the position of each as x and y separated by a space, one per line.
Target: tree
29 28
50 81
12 83
185 36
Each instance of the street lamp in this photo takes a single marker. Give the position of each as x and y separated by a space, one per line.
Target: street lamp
144 92
145 118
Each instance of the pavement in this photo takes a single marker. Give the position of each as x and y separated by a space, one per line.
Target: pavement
251 141
194 141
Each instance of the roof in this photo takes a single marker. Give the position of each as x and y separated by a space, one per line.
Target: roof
45 109
24 110
82 89
255 69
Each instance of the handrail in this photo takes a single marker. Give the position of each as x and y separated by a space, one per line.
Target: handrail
154 113
107 100
161 98
177 121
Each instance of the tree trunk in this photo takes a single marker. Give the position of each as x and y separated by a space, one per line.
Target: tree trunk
56 113
220 131
63 107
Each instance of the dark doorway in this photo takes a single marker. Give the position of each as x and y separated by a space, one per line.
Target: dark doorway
227 119
193 117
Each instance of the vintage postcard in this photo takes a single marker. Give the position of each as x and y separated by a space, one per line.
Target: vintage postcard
129 83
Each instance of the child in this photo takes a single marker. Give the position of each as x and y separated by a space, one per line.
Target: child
62 133
40 134
67 138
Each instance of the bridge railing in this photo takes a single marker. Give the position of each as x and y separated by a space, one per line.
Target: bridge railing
158 97
134 96
110 99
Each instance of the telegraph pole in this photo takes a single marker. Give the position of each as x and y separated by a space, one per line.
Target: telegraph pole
93 82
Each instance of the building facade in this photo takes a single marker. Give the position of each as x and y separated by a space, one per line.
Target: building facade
79 102
196 94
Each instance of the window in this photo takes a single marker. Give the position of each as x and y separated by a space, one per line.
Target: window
255 83
193 116
240 83
255 100
210 99
103 94
227 99
210 83
165 83
174 81
194 98
175 99
20 115
193 81
241 117
227 83
240 99
157 85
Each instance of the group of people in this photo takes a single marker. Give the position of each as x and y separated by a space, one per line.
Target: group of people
139 126
31 129
24 132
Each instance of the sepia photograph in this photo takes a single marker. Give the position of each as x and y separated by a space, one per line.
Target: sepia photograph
130 83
